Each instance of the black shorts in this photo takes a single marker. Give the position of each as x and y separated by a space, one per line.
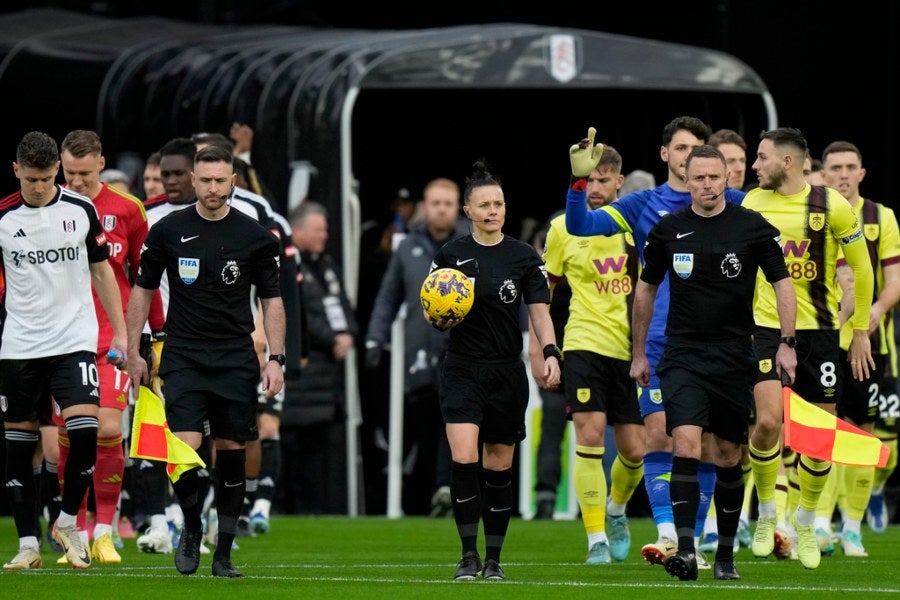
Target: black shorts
820 378
492 395
860 399
709 385
214 382
889 406
27 385
594 382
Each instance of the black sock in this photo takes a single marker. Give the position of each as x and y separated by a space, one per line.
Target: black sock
82 432
268 468
684 489
729 498
20 448
466 504
50 491
186 490
230 487
496 510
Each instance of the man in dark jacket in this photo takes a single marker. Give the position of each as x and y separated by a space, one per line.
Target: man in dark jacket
312 422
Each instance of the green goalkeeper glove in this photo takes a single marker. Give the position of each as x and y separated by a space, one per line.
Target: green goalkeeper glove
585 155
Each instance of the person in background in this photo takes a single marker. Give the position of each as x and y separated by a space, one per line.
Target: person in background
483 383
314 407
49 338
843 170
153 185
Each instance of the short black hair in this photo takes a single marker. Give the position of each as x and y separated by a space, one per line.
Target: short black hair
212 154
179 147
37 150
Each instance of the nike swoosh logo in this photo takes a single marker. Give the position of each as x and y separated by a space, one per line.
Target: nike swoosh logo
187 239
462 262
673 504
500 509
729 511
229 485
678 236
458 501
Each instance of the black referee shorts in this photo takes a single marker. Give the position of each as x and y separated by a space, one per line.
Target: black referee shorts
709 385
214 382
490 394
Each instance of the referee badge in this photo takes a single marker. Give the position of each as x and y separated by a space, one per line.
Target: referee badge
188 269
683 264
765 365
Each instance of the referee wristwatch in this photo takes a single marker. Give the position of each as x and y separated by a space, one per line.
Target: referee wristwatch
281 359
790 340
552 350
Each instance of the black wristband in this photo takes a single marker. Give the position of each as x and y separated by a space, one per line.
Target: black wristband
552 350
279 358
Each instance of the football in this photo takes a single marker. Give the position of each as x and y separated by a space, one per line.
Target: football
447 293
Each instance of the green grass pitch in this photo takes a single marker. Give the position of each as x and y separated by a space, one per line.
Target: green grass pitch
415 557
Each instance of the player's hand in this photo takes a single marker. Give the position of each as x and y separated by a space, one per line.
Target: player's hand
640 371
860 355
585 155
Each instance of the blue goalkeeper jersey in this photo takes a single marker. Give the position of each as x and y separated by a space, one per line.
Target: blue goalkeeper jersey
635 213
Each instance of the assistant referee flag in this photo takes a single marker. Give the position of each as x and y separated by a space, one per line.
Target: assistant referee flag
818 434
151 438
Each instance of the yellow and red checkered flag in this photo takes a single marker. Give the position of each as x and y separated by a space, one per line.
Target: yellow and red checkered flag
151 438
818 434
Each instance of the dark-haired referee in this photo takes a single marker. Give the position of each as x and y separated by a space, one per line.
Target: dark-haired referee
711 252
214 258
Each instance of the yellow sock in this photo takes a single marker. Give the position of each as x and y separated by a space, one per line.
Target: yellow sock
882 474
765 464
828 499
590 487
789 460
857 489
626 476
813 475
781 496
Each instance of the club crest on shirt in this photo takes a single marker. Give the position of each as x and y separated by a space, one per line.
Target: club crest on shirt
508 291
656 395
188 269
69 225
683 264
230 272
871 231
816 221
109 222
765 365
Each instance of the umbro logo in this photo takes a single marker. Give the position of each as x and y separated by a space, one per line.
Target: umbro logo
19 234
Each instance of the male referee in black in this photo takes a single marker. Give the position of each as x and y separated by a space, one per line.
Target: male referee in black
215 258
711 252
